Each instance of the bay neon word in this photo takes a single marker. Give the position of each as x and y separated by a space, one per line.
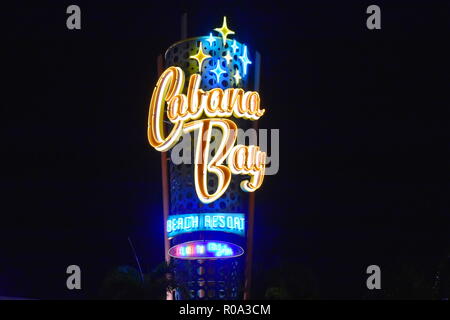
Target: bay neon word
205 249
226 222
185 110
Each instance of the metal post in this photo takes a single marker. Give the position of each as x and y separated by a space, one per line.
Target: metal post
165 179
184 26
251 203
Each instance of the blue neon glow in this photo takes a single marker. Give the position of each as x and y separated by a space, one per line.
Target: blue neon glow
228 57
218 70
211 39
245 60
205 249
219 249
225 222
234 46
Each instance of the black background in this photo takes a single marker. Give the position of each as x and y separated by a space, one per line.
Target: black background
363 165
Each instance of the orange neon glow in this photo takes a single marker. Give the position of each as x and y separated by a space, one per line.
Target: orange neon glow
185 110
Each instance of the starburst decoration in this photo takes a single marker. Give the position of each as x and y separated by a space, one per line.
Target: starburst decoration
237 76
245 60
224 31
234 46
200 56
228 57
211 39
218 70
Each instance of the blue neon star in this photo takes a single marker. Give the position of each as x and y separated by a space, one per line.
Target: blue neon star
218 70
234 46
211 39
245 60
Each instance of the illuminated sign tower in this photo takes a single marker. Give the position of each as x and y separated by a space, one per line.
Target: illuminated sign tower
202 98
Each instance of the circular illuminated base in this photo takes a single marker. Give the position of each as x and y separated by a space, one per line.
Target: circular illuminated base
205 249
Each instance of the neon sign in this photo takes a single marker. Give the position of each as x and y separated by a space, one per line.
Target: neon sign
226 222
206 249
213 107
224 31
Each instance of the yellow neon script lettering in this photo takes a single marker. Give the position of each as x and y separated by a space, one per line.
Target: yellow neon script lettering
215 165
215 104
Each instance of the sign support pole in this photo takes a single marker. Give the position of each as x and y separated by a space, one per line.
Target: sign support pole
251 204
165 179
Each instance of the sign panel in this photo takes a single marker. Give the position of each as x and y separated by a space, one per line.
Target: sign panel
205 249
193 109
226 222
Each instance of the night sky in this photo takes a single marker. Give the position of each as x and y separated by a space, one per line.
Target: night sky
363 138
